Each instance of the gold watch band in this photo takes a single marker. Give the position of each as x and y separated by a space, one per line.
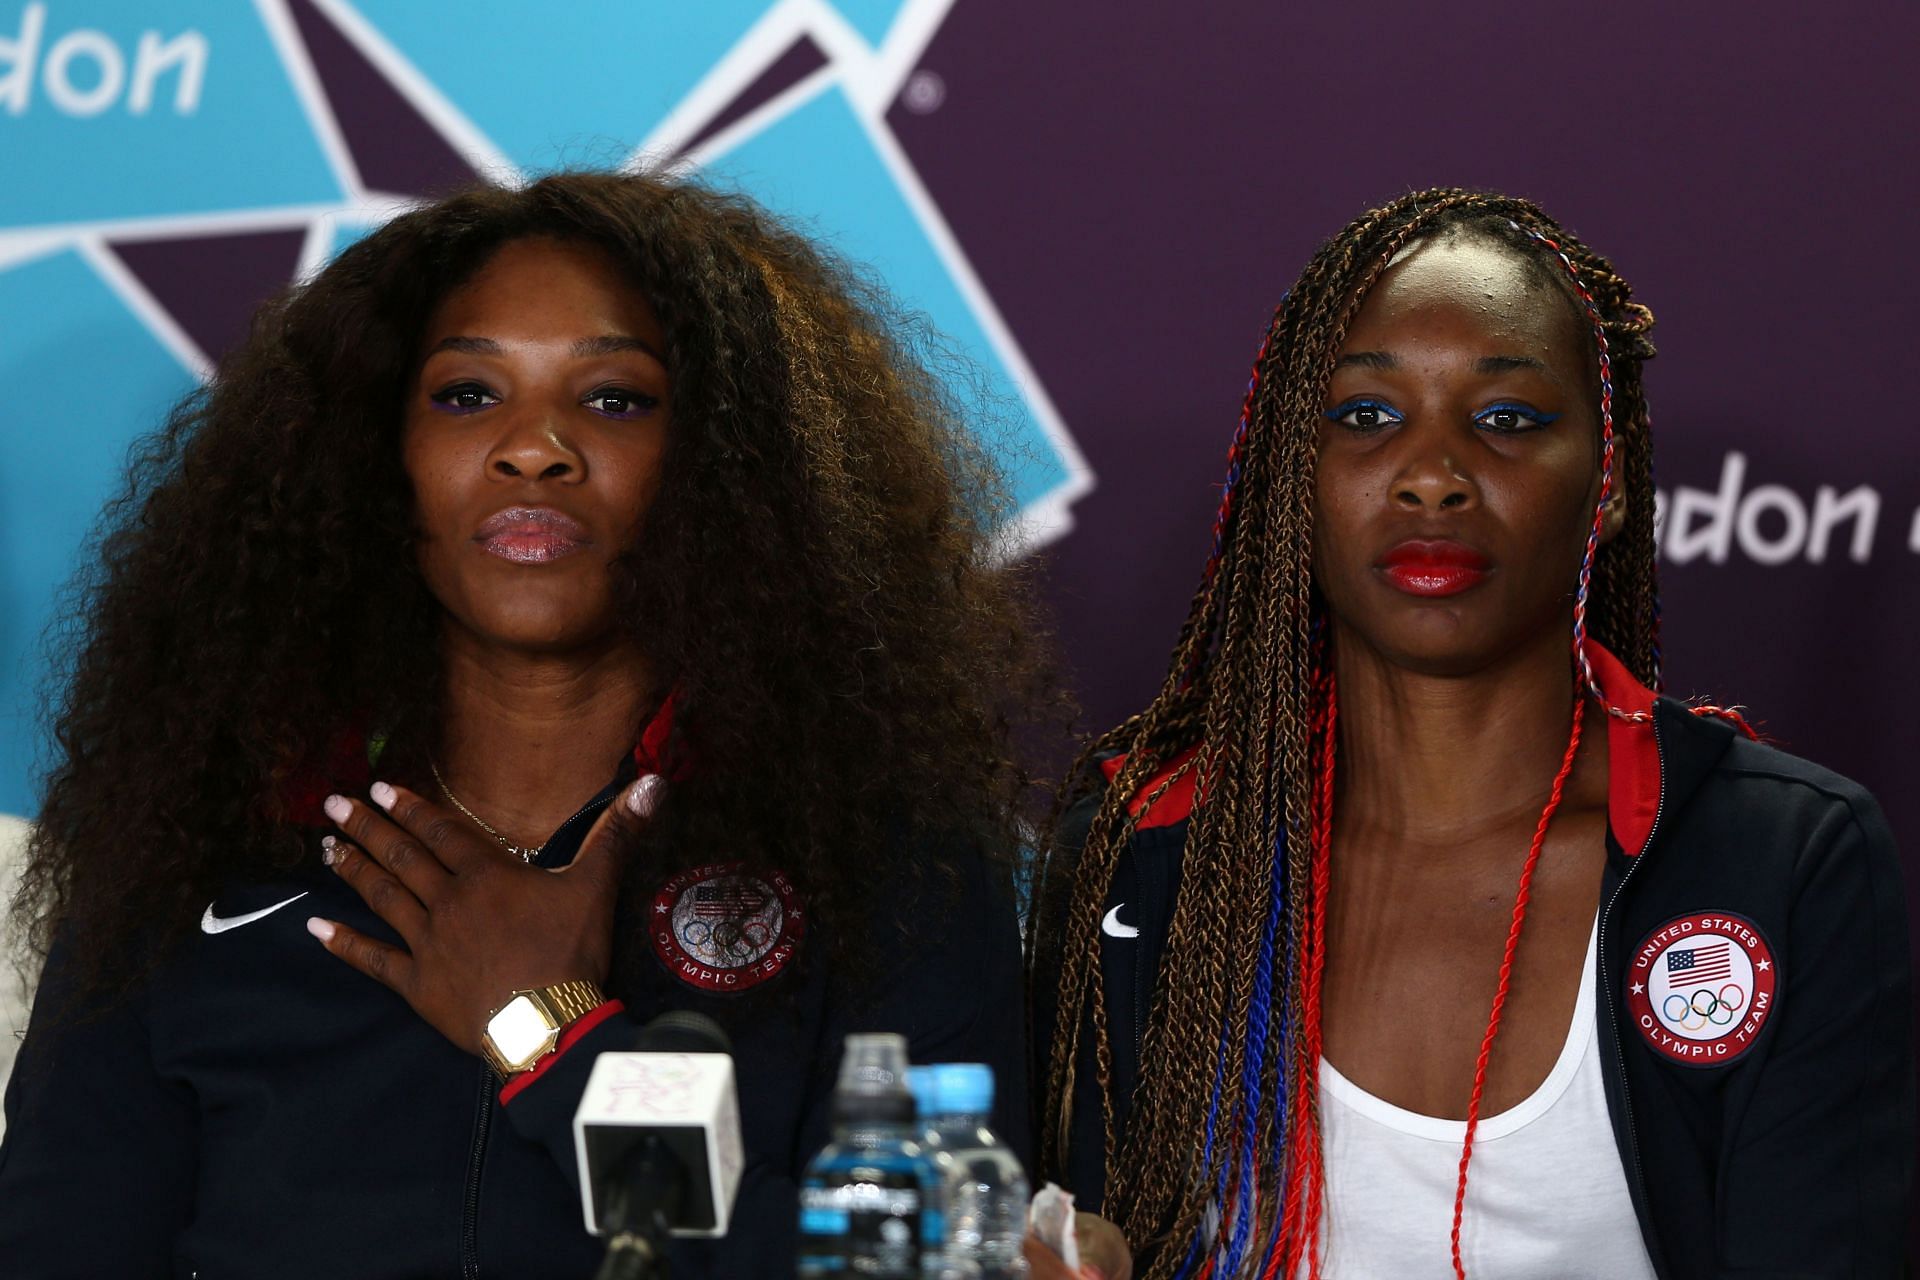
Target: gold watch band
573 1001
555 1007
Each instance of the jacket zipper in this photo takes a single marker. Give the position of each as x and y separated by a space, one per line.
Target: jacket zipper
1606 977
1139 1015
592 806
1139 963
476 1165
483 1116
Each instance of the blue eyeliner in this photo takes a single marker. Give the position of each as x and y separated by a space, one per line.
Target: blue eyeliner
1387 411
1535 417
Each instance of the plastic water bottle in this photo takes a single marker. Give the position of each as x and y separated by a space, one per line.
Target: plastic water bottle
937 1261
862 1198
983 1196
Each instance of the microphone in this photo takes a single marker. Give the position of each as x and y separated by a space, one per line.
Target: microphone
657 1134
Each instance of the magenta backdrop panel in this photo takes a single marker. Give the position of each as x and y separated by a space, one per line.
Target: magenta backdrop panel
1137 188
1136 192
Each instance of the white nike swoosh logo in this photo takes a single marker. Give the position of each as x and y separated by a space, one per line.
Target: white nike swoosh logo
211 923
1112 927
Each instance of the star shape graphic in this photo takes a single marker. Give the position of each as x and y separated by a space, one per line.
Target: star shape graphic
145 244
383 113
1764 965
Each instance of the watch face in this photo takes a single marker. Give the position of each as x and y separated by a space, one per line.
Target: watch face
520 1032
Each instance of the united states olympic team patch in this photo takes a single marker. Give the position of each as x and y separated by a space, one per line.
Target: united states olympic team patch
719 928
1701 986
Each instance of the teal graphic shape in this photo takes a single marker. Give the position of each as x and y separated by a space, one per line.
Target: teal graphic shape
871 18
564 85
246 144
818 167
347 232
84 379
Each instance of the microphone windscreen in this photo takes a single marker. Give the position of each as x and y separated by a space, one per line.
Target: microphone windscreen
685 1101
682 1031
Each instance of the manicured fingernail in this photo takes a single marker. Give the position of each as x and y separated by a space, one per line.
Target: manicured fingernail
644 795
338 808
382 795
321 929
328 854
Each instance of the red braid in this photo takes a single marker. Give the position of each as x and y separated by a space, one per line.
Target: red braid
1506 971
1306 1173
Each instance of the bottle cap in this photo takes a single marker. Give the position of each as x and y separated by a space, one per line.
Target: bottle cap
874 1062
963 1088
873 1080
926 1098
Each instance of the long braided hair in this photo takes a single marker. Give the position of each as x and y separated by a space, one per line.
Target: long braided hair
1218 1171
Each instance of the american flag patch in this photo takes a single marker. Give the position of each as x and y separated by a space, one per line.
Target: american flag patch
1708 962
726 899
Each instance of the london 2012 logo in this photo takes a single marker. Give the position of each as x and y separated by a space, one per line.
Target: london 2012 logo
168 166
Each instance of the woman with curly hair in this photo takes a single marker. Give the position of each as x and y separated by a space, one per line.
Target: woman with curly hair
1408 874
570 605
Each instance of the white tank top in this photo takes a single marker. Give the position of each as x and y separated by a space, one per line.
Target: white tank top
1546 1194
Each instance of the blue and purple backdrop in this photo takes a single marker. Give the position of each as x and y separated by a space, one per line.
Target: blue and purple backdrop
1100 203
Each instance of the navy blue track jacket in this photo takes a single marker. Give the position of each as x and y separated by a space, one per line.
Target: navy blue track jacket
1764 1116
259 1108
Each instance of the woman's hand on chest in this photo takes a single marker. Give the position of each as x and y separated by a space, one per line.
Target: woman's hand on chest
478 924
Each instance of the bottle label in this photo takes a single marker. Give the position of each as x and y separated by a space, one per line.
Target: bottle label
878 1227
825 1221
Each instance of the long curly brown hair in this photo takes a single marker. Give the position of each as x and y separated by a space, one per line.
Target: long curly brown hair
1217 1125
847 657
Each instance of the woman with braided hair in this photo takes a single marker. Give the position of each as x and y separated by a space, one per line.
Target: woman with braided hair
1408 931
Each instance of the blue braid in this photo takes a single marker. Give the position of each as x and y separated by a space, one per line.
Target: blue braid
1213 1114
1259 1031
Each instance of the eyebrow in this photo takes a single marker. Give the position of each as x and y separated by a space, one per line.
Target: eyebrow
1386 360
1506 364
607 344
612 344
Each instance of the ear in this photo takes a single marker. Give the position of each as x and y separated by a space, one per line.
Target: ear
1613 514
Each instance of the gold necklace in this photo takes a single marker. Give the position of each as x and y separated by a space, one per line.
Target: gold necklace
526 853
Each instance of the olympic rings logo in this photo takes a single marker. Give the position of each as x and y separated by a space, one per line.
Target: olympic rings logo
737 940
1692 1015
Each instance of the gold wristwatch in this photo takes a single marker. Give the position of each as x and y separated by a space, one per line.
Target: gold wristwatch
524 1029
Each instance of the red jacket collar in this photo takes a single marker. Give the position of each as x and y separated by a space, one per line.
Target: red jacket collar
1633 753
1175 803
1633 764
650 753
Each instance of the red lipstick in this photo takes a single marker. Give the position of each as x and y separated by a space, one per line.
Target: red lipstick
1433 567
531 535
